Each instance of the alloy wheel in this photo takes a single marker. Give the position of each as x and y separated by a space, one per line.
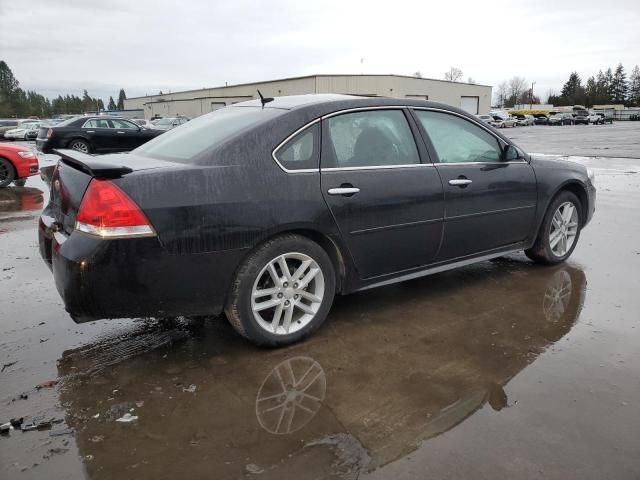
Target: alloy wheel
564 228
287 293
80 147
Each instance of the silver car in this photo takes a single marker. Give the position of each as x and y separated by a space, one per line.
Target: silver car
502 122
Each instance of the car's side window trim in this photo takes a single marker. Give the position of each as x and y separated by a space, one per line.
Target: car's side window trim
427 139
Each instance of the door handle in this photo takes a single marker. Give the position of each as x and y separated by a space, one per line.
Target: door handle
91 131
120 132
460 182
347 191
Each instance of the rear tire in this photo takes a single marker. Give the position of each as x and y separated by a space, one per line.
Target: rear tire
80 146
558 226
7 173
272 307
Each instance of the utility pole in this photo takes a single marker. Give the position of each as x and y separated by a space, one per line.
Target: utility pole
531 96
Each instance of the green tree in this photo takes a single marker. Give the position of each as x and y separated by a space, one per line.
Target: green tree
8 89
121 98
591 92
573 92
602 90
619 85
111 105
634 87
608 77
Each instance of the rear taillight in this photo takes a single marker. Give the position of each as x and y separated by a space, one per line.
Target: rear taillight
107 212
49 133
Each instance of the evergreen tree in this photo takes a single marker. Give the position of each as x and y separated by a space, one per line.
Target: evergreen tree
8 89
572 92
121 98
111 105
591 92
634 87
619 85
602 90
608 76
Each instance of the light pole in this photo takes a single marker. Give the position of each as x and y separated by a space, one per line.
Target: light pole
531 96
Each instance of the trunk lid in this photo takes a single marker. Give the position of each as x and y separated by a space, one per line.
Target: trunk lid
75 171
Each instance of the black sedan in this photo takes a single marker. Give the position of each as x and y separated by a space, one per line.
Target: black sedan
94 135
540 119
266 209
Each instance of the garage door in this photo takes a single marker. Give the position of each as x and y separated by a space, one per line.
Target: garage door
470 104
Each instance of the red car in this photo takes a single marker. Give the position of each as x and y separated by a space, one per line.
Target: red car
17 162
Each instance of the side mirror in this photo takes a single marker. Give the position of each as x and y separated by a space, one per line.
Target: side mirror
509 153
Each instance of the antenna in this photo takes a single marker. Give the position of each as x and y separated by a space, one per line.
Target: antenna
264 100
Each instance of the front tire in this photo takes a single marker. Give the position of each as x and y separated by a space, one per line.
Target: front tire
20 182
282 292
559 232
80 146
7 173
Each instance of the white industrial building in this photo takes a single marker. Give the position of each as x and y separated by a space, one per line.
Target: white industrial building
192 103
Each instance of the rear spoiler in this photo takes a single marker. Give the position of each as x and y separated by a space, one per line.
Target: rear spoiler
91 165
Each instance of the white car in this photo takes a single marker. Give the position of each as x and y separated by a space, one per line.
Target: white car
503 122
485 118
594 118
22 131
142 122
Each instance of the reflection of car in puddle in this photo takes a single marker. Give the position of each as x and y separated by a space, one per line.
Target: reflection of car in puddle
392 369
21 199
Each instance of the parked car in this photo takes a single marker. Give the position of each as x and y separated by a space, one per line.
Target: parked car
581 117
11 124
94 135
560 119
541 119
485 118
168 123
605 117
23 131
503 122
8 124
594 118
142 122
525 120
17 162
245 211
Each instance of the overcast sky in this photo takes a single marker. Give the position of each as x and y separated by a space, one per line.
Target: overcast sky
143 46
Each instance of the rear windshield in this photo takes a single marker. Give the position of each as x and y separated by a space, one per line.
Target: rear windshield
184 143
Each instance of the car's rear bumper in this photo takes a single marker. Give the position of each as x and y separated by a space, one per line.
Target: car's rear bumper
133 277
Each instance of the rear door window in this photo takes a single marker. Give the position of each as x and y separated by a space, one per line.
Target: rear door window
376 138
96 123
123 124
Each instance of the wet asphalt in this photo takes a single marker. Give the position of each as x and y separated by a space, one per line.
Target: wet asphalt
503 369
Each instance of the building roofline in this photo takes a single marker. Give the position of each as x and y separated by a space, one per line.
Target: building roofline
261 82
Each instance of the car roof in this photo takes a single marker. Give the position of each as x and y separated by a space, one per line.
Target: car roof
315 104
